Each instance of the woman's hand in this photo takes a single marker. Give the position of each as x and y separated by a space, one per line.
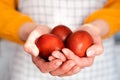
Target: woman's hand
72 63
45 66
29 33
97 47
66 63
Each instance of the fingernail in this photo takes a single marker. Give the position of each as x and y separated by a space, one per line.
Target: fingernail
65 52
56 55
51 58
58 63
90 53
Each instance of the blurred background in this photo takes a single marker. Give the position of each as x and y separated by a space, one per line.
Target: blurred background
117 50
117 37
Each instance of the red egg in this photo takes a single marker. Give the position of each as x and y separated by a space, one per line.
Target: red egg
61 31
79 42
47 43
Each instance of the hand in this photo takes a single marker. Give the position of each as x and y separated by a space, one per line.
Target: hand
30 46
97 47
29 33
72 64
44 66
79 63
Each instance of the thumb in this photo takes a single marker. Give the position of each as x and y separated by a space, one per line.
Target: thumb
31 49
81 62
94 50
30 45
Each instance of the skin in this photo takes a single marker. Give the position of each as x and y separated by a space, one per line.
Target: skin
64 63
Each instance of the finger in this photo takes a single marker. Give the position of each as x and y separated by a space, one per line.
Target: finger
73 71
86 62
68 65
31 49
94 50
40 30
81 62
59 55
30 46
51 58
97 47
68 53
46 66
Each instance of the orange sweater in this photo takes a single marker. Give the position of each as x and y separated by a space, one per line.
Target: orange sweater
11 19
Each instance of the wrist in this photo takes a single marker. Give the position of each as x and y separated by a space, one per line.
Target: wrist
25 30
100 27
90 27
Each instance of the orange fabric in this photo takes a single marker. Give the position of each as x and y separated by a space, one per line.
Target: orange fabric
111 14
11 19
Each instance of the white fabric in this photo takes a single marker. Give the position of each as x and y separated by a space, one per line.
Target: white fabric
71 13
7 51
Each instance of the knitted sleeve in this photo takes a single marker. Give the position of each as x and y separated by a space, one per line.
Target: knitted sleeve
10 22
111 14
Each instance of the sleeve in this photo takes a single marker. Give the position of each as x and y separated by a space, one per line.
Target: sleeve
111 14
10 22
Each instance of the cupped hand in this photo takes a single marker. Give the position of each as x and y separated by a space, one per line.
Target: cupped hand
97 47
72 63
45 66
30 46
